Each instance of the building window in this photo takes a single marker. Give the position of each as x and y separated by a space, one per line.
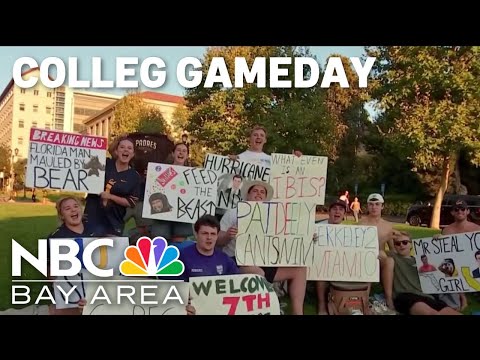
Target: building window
47 126
35 108
34 124
48 110
20 141
21 124
22 107
49 94
22 91
35 92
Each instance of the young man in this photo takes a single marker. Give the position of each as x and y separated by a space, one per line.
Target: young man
402 284
375 203
461 224
255 154
336 213
202 259
296 276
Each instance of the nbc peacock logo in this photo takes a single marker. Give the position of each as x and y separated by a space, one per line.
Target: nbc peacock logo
151 258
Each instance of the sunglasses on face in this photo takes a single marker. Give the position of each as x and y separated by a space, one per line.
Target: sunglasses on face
459 209
401 242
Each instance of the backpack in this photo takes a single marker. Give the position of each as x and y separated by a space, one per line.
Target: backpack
346 298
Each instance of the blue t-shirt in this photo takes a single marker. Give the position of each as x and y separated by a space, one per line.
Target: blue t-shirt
197 264
109 219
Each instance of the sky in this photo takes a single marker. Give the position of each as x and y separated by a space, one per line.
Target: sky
171 56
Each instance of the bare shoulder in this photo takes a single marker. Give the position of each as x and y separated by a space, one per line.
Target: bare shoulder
473 227
449 230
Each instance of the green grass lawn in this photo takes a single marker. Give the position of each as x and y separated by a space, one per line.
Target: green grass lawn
28 222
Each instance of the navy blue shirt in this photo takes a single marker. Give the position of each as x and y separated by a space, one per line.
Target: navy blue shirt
63 232
197 264
109 219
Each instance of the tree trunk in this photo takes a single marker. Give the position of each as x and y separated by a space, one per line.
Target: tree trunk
458 179
437 205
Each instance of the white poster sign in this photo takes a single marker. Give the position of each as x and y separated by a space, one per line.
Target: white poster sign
66 161
133 296
297 178
243 294
179 193
231 177
449 263
345 253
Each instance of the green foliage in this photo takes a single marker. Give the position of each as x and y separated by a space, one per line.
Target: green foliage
4 159
132 114
220 119
152 121
431 99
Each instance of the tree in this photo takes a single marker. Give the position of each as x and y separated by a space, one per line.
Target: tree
152 121
5 159
431 96
132 114
295 118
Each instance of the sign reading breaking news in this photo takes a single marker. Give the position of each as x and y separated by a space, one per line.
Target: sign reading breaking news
66 161
243 294
449 263
179 193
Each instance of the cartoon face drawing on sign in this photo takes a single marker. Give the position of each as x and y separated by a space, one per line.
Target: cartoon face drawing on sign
448 268
94 165
159 203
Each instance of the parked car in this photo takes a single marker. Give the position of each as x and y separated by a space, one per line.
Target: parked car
421 213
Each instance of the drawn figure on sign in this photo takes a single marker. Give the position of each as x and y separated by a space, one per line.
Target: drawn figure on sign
229 190
476 272
426 267
448 268
159 203
433 280
94 165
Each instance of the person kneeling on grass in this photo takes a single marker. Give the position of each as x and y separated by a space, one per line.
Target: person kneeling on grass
403 291
70 214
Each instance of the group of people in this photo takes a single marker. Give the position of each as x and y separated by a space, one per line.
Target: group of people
215 236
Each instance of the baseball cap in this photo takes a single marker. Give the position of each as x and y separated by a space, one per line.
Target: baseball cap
375 198
338 202
461 204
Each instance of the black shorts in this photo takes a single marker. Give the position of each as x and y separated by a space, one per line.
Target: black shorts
270 272
404 302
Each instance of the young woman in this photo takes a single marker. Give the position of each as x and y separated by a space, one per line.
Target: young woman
106 212
70 214
175 232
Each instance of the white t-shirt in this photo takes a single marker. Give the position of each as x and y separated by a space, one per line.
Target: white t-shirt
229 219
257 158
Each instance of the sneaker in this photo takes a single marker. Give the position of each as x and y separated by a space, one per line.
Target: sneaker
356 312
381 308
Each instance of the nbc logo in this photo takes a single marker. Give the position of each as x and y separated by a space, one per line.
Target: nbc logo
151 258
